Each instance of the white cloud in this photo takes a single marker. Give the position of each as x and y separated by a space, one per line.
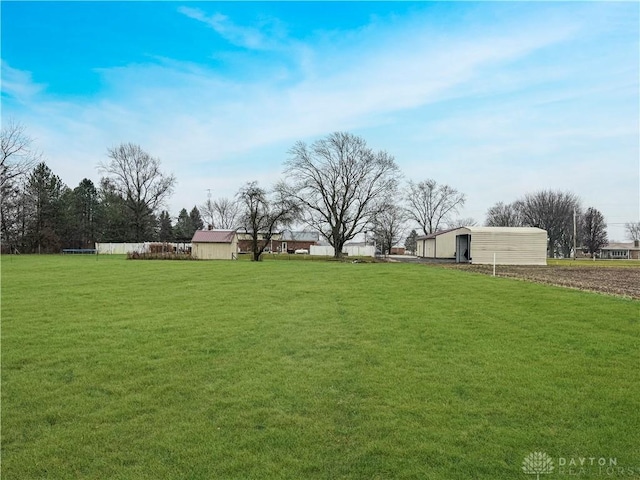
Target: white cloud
18 84
247 37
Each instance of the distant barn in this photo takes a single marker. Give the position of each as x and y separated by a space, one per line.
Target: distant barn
478 245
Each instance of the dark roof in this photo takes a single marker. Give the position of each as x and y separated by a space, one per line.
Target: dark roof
289 236
213 236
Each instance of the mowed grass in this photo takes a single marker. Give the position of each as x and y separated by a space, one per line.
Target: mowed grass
306 370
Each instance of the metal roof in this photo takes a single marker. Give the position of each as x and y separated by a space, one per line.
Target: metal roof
503 229
620 246
304 236
521 230
213 236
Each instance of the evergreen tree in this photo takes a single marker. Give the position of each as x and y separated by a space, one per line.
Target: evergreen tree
184 229
43 201
196 220
112 214
165 229
84 211
411 244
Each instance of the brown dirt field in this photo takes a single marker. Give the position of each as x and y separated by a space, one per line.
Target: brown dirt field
619 281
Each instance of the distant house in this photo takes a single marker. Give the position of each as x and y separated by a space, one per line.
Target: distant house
245 241
286 242
478 245
630 250
214 244
397 250
291 241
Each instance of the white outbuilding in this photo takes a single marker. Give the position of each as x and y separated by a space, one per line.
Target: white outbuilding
480 245
214 244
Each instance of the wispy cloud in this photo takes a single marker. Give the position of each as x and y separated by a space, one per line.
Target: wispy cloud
216 116
18 84
246 37
442 102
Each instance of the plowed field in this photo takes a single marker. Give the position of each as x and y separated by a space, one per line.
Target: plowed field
623 281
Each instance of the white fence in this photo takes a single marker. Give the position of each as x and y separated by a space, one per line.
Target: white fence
359 250
121 248
351 250
324 250
143 247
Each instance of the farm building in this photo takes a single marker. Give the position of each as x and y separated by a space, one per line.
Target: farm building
214 244
477 245
437 245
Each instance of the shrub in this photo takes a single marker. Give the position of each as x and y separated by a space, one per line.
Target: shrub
159 256
161 248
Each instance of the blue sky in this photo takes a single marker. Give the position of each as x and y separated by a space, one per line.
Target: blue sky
495 99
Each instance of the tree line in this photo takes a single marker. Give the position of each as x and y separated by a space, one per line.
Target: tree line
336 185
39 213
43 215
560 214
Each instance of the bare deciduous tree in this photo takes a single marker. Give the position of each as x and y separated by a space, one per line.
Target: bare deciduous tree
431 205
388 227
594 230
208 212
17 155
221 213
227 211
462 222
633 230
137 177
262 216
340 184
552 211
503 215
13 217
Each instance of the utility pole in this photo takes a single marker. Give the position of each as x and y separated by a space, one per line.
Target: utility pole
574 234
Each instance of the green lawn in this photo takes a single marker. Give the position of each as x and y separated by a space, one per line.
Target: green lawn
116 369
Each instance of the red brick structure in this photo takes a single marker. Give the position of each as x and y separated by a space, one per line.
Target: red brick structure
286 242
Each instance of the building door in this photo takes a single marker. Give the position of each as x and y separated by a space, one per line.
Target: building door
463 248
283 247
